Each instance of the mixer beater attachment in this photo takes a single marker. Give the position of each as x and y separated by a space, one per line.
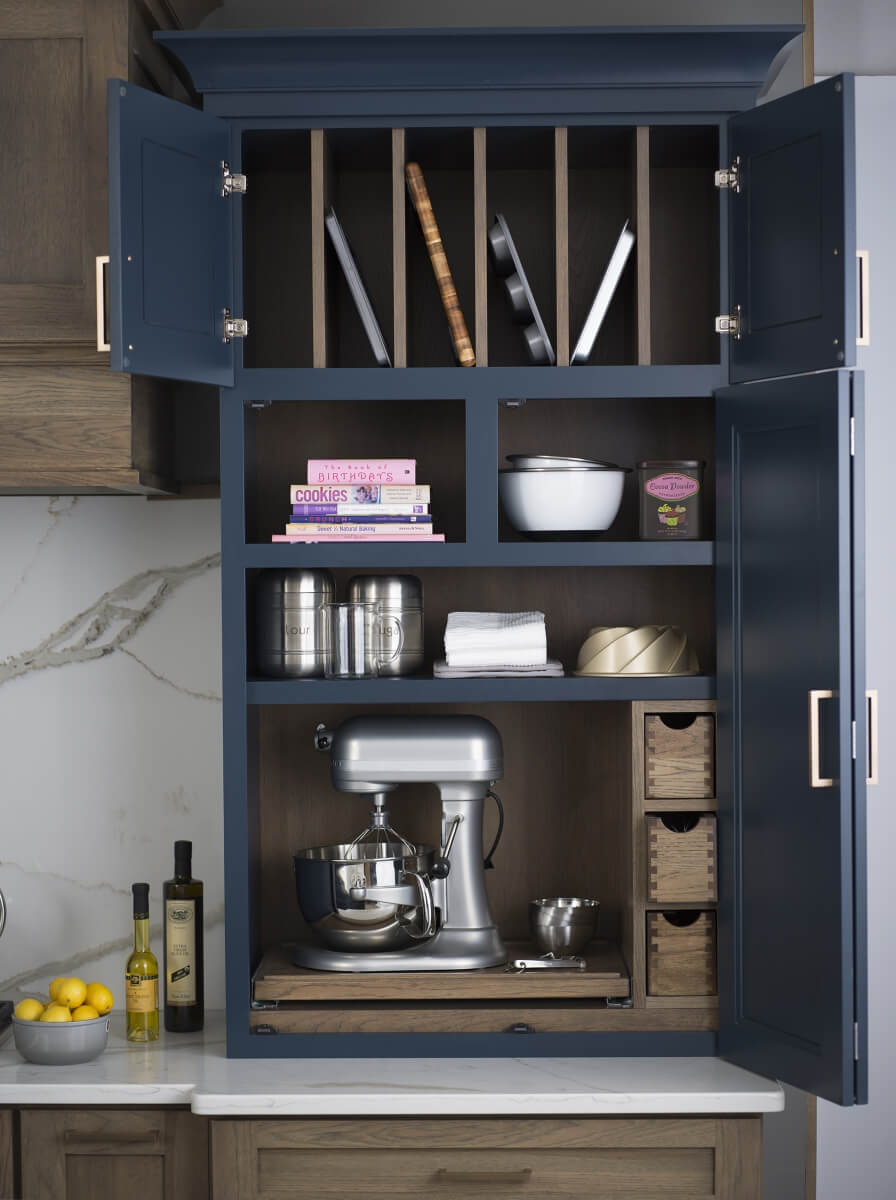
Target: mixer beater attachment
379 838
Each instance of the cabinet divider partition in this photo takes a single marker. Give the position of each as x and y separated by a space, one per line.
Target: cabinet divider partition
642 243
399 256
480 248
320 190
561 251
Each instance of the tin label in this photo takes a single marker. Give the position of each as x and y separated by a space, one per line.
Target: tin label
671 486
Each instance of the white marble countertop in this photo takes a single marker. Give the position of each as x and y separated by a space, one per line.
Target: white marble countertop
193 1070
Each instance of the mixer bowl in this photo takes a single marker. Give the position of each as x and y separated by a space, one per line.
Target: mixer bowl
562 925
324 878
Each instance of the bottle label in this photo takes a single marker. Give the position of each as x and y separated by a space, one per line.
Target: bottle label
141 993
180 951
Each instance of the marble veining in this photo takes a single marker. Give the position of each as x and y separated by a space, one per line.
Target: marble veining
109 622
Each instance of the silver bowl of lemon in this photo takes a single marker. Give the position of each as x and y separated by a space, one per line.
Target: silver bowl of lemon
72 1028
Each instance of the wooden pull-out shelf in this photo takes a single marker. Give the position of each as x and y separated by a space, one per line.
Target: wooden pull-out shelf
278 978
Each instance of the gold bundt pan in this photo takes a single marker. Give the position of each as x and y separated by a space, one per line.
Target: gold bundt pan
636 650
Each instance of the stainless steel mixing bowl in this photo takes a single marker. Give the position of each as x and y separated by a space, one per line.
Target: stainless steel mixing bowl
325 876
563 925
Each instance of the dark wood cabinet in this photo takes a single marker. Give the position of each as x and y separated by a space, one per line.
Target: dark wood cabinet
70 1154
66 423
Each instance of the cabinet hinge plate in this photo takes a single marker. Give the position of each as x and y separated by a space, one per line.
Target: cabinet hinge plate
729 177
730 323
854 739
232 182
855 1041
852 437
234 327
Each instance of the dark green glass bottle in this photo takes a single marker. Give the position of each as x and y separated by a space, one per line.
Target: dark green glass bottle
182 919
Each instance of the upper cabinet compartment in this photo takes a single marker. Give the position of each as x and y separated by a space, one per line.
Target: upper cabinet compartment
792 239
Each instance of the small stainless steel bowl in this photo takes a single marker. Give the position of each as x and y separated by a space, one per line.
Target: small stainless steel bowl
60 1043
563 925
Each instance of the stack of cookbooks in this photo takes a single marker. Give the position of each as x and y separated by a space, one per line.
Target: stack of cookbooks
351 500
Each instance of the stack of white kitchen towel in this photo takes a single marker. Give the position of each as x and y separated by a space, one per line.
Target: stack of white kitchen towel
489 643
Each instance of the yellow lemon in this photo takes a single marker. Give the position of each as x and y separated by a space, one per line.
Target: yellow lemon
54 986
28 1010
100 997
56 1012
86 1012
72 992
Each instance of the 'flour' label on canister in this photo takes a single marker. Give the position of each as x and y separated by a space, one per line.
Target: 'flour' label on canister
672 485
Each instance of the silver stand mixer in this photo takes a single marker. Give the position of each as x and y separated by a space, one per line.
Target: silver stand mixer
398 907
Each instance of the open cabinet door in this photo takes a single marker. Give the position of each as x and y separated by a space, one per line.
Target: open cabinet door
792 233
792 947
170 247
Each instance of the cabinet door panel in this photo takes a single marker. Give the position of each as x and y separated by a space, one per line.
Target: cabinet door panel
54 59
793 233
789 623
170 249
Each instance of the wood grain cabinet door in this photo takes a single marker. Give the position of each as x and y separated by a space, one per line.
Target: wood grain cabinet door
465 1158
81 1155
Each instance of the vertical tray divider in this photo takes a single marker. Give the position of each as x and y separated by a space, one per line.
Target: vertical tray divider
399 253
642 243
561 247
320 198
480 251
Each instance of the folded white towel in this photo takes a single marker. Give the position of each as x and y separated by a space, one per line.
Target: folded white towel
487 638
441 670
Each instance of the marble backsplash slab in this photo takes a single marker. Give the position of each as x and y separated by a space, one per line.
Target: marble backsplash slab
110 728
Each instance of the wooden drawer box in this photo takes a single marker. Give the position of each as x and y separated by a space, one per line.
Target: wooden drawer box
681 858
681 954
679 755
469 1158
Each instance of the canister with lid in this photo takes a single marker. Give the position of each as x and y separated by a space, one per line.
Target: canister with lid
290 624
671 499
399 599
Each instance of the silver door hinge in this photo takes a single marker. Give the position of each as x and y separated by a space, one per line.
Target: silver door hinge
855 1040
619 1002
854 739
730 323
231 182
234 327
852 437
729 177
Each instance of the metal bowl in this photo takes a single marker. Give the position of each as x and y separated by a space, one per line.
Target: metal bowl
325 876
556 462
60 1043
563 925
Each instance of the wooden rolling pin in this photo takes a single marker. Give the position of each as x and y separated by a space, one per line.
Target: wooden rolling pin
460 337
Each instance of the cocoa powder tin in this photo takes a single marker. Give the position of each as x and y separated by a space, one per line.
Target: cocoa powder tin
671 493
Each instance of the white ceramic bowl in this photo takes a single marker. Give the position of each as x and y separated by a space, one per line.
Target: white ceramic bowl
60 1043
565 502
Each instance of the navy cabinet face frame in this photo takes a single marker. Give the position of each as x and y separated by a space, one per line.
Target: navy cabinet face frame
292 81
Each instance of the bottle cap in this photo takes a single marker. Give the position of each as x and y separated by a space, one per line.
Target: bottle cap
183 854
141 899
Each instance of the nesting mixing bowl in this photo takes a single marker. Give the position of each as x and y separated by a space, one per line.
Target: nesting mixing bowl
60 1043
561 502
563 925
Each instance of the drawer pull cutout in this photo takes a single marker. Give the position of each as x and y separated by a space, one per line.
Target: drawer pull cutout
443 1175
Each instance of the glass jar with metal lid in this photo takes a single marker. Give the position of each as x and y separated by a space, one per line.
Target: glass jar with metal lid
399 600
290 625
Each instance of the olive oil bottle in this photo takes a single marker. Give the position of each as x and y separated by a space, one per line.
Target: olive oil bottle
184 1001
142 975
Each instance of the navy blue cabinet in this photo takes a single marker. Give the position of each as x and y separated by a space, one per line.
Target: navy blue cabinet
568 133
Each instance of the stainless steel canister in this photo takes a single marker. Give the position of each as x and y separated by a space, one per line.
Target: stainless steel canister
290 625
399 599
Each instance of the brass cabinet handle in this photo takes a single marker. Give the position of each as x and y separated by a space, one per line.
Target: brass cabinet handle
102 261
864 338
873 774
445 1176
815 777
